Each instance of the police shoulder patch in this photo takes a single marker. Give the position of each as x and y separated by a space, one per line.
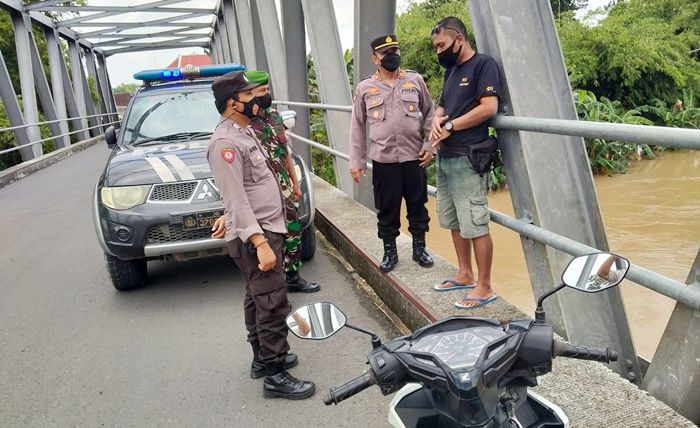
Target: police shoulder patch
228 155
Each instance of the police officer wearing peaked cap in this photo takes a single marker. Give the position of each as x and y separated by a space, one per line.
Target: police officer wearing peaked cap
393 109
255 233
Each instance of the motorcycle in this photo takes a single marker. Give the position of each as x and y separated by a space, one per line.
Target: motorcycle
468 372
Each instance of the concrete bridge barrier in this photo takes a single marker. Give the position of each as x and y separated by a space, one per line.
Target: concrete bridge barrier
590 393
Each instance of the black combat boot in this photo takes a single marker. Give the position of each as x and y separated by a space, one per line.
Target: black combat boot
280 384
420 255
391 257
257 368
296 284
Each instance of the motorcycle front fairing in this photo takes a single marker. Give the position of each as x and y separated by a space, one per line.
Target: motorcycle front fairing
459 359
465 367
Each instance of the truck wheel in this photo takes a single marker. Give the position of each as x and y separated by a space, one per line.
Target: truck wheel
308 242
126 274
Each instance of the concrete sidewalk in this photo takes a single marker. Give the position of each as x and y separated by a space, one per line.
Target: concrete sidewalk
590 393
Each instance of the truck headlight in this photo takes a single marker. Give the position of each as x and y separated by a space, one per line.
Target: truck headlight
123 198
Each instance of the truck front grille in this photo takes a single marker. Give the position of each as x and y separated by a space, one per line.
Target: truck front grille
173 192
165 233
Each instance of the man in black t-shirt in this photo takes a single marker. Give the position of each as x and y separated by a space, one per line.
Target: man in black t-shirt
469 98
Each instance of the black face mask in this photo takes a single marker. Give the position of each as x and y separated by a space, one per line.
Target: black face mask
448 58
249 109
265 101
391 61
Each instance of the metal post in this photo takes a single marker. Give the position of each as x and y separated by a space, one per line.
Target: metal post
54 51
549 176
332 80
9 100
100 107
260 59
89 102
297 76
26 80
223 32
78 88
673 374
103 66
232 30
44 92
212 50
105 88
72 103
273 48
92 72
245 33
372 19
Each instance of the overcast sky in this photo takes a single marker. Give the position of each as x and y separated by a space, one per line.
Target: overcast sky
122 66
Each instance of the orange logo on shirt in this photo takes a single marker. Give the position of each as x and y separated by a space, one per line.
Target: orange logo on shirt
372 90
408 85
228 154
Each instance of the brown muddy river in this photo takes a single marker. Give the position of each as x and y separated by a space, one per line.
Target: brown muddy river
651 217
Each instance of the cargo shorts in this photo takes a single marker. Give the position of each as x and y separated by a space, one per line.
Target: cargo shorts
462 202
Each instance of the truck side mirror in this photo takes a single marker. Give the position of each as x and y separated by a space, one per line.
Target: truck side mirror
111 136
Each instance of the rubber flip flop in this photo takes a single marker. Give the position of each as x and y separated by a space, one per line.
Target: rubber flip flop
482 302
455 286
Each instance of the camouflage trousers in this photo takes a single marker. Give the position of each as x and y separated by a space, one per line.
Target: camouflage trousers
292 240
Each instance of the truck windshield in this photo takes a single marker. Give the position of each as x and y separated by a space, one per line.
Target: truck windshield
160 115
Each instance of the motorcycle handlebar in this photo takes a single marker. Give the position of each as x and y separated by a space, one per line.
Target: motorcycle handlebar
604 355
340 393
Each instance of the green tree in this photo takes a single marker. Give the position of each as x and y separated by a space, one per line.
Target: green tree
643 49
129 88
560 6
413 31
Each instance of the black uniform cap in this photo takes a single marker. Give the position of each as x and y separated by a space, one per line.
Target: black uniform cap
230 83
384 43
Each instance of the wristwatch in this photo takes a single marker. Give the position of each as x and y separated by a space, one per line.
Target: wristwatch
449 126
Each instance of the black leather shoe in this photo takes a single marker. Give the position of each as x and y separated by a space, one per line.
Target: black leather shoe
420 255
296 284
284 385
257 369
391 256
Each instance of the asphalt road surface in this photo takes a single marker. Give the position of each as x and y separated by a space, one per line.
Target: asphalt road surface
75 352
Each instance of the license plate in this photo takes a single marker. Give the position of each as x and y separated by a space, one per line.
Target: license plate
200 220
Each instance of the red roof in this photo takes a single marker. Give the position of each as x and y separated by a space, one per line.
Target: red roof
198 59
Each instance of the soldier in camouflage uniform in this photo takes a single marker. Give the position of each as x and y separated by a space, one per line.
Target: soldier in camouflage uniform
269 129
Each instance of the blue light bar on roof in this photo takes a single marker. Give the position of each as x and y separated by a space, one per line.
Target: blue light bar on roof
186 72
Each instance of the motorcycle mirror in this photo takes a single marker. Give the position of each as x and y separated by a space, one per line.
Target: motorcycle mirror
595 272
289 118
316 321
111 136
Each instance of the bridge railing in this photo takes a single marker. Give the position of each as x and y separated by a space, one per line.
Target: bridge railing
53 137
656 135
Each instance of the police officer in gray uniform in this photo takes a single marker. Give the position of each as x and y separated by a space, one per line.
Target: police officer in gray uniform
394 109
255 233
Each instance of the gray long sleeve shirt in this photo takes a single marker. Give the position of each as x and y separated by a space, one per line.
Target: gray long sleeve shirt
251 194
395 118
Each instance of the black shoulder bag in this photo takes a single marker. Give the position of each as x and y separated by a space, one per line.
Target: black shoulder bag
482 155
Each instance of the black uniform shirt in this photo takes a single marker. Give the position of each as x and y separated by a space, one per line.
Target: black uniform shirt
464 86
